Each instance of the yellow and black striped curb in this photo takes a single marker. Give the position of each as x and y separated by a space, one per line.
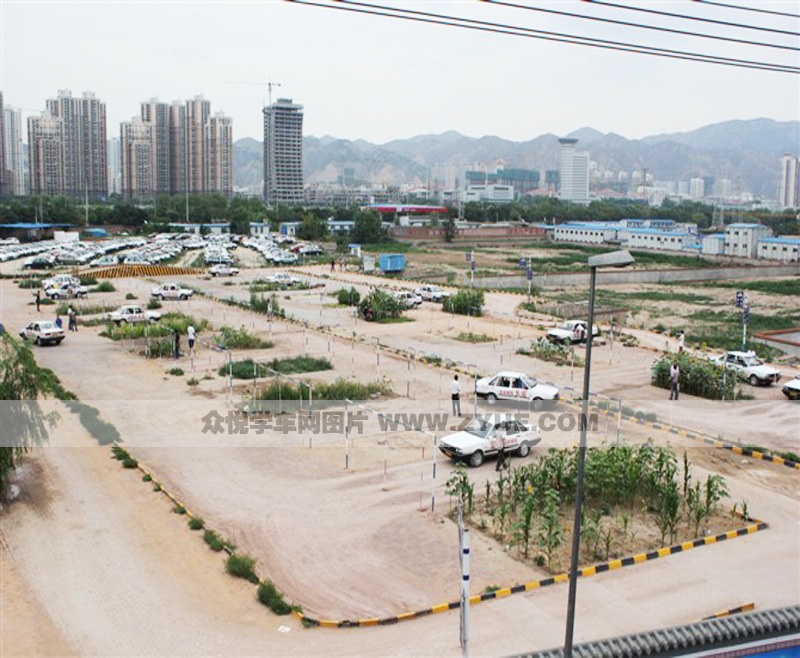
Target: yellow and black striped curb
611 565
124 271
698 436
746 607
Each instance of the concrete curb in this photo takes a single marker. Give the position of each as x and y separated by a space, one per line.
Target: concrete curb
611 565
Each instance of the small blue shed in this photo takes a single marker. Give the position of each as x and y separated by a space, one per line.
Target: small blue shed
391 263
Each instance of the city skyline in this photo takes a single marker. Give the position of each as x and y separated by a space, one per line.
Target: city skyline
380 79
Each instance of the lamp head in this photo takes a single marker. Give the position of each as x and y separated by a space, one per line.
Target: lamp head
613 259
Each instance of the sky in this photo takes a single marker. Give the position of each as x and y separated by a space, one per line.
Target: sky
380 79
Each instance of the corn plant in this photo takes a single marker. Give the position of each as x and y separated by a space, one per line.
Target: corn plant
550 534
459 487
522 529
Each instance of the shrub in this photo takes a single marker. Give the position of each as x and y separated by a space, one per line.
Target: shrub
130 295
341 389
30 283
105 286
196 523
697 377
240 339
154 304
269 595
180 322
217 543
147 478
179 509
555 353
88 281
470 337
129 462
240 566
266 306
299 364
176 372
378 306
192 381
347 297
467 301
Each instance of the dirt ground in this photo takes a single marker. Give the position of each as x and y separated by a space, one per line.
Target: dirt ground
344 528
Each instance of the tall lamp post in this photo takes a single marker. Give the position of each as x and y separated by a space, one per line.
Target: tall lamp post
613 259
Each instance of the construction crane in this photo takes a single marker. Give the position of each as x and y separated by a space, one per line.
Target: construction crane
269 85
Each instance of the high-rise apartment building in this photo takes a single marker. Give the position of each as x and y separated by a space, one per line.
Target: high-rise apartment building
219 143
158 115
198 111
574 172
46 154
136 157
114 166
178 182
697 188
789 183
13 153
283 152
2 149
84 143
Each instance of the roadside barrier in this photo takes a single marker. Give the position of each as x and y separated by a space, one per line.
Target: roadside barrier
746 607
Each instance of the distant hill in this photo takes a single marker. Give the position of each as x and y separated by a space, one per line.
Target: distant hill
746 152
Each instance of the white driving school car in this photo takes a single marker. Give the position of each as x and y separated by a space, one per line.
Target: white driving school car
486 435
515 387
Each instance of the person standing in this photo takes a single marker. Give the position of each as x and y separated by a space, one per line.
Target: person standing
455 395
72 322
38 299
500 439
190 336
674 378
681 341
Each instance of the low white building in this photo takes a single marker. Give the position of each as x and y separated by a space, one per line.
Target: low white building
586 232
652 238
785 249
742 239
713 244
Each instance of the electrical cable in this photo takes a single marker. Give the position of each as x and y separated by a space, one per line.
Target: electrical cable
755 9
498 28
641 25
656 12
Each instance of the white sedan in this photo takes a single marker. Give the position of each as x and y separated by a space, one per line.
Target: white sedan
283 279
791 389
748 367
43 332
223 269
514 386
486 435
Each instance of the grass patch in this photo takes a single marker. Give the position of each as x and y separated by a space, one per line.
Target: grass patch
297 364
154 304
241 339
341 389
543 349
217 543
179 509
240 565
789 287
470 337
105 286
269 596
196 523
81 309
192 381
147 477
27 284
130 296
175 372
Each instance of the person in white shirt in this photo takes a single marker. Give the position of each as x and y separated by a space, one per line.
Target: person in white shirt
190 334
455 395
681 342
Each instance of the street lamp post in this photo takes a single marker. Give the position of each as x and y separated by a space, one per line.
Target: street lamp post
613 259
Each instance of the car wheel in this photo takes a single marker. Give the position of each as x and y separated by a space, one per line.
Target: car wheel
183 298
160 298
536 403
58 342
491 398
38 342
476 459
524 449
753 380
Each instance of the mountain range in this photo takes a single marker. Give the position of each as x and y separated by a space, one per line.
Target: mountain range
745 151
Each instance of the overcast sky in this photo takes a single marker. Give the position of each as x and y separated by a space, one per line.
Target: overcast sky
380 79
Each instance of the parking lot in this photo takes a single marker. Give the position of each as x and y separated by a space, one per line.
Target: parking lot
350 526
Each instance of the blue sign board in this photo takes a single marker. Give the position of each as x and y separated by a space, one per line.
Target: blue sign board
739 301
746 315
530 274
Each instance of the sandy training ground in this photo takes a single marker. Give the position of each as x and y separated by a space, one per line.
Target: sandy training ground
94 562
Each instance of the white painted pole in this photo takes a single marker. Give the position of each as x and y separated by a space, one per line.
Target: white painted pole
465 593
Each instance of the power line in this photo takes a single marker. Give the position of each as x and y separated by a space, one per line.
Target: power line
498 28
692 18
755 9
642 25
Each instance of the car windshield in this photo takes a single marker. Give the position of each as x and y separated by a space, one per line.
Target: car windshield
47 326
530 382
567 326
751 360
478 427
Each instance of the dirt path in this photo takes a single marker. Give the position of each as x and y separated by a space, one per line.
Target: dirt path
343 542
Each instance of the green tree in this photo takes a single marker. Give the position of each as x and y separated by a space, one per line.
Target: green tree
312 228
24 425
367 227
449 229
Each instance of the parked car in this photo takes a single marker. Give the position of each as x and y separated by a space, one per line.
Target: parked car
407 299
104 261
66 291
59 279
571 331
132 314
791 389
43 332
223 269
514 386
749 367
485 435
283 279
171 291
431 293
